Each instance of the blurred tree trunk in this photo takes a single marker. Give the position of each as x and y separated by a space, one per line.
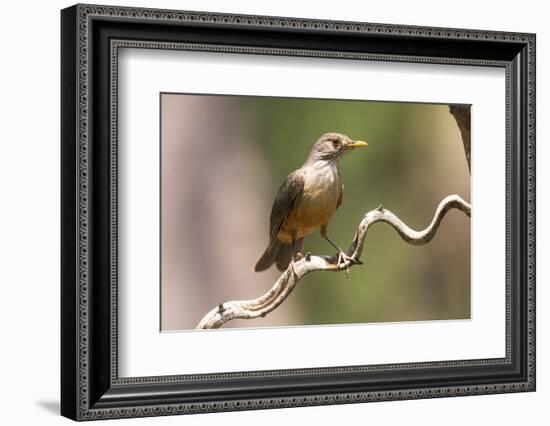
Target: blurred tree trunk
461 113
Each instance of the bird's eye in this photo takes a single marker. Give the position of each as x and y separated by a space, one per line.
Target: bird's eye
336 143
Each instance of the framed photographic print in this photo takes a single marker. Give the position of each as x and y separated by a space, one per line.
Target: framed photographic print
263 212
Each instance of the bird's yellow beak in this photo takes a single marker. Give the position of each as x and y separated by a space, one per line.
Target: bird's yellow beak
357 144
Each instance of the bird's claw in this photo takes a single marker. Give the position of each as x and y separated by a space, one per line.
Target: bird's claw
297 256
346 260
292 267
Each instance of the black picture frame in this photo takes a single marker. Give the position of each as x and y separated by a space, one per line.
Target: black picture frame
90 386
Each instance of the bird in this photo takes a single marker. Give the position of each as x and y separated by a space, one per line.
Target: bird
306 201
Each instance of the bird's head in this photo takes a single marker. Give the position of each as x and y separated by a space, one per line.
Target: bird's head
331 146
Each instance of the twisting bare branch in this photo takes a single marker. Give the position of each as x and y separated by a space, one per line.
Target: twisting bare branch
261 306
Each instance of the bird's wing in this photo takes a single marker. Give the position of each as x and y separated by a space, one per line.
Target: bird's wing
289 192
340 197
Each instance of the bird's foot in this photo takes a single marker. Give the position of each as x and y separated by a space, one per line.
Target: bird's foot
345 260
292 267
297 256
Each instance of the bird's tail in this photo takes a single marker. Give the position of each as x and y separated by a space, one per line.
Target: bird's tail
269 256
278 253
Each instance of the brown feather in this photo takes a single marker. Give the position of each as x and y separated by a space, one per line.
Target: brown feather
286 197
268 257
285 254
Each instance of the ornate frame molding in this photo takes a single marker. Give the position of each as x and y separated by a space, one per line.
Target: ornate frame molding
78 23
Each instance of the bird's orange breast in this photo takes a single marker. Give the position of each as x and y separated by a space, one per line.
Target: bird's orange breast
315 206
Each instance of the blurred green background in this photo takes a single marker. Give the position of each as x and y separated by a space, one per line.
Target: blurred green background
225 157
